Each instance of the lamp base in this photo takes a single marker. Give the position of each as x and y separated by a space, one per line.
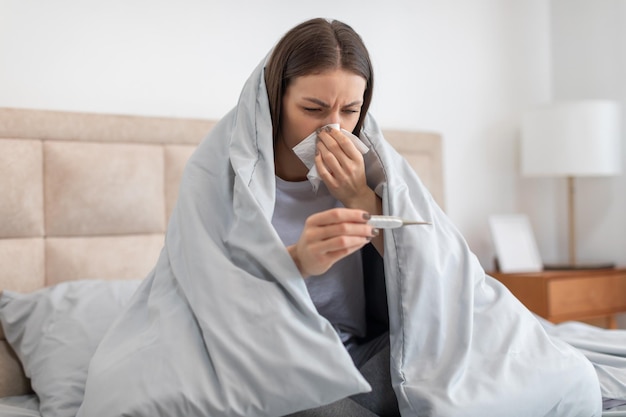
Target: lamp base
571 267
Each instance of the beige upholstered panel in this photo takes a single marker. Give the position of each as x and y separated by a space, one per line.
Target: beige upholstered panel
21 198
12 379
93 127
103 189
176 157
423 150
111 257
21 264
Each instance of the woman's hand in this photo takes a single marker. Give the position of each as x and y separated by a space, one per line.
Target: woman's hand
329 236
341 167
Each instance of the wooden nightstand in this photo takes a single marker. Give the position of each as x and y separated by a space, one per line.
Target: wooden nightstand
581 295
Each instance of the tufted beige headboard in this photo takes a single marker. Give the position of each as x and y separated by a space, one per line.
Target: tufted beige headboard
86 192
88 196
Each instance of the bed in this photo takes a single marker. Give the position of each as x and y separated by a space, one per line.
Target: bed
84 208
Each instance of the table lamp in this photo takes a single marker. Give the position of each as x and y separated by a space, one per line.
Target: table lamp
572 139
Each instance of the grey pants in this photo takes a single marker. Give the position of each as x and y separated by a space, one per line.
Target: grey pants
372 360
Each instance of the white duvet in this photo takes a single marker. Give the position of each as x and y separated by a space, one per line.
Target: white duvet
224 326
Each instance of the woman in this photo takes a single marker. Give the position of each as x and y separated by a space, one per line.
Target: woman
320 74
269 299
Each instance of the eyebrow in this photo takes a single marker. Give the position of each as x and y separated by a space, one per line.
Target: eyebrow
326 105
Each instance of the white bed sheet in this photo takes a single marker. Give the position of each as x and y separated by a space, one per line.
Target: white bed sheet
28 406
615 412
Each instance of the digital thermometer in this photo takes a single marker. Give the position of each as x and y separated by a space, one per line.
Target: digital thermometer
391 222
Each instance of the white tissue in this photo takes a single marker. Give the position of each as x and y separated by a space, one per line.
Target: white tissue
305 150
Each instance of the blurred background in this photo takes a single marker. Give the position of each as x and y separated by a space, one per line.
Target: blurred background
469 70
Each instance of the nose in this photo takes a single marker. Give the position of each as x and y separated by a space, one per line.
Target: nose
334 117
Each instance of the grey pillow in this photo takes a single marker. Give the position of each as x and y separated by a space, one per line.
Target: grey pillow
55 331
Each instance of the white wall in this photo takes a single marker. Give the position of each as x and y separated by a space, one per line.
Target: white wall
589 62
467 69
589 42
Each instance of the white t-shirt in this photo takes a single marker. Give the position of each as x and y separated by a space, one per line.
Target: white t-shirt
338 294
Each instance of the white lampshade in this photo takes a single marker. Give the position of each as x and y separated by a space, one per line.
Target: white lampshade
572 139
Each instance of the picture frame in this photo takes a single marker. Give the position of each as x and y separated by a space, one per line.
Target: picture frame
515 245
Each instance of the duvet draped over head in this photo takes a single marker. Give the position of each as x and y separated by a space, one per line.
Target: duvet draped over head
223 325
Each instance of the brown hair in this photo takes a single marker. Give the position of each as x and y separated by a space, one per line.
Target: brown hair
313 47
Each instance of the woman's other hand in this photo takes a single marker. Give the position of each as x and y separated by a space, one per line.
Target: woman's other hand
329 236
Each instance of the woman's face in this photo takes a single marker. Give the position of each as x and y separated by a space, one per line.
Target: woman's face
315 100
